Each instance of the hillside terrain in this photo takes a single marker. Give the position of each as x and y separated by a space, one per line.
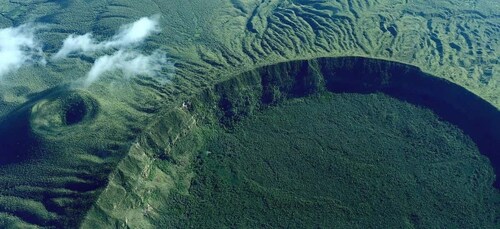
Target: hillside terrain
103 154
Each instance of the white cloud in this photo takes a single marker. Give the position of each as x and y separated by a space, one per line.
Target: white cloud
73 43
130 63
135 33
18 47
128 35
125 58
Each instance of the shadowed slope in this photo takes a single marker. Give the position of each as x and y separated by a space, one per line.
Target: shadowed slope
165 152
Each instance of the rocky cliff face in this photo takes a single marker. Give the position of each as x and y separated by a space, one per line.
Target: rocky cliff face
51 170
162 153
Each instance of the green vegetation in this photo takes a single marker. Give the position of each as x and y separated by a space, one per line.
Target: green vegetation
337 160
161 164
112 154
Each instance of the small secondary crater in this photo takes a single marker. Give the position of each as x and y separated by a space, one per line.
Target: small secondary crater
74 110
63 110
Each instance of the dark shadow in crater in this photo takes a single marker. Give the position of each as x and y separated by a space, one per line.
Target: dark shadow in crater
476 117
77 107
74 112
19 143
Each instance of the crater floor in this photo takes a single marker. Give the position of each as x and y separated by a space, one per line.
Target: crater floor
337 160
112 153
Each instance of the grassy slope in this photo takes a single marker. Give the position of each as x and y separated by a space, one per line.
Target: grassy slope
211 40
166 151
454 40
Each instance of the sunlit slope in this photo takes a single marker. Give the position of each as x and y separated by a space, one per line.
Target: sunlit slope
455 40
161 162
211 41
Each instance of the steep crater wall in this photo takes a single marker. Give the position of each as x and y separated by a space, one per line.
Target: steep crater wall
257 89
167 148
